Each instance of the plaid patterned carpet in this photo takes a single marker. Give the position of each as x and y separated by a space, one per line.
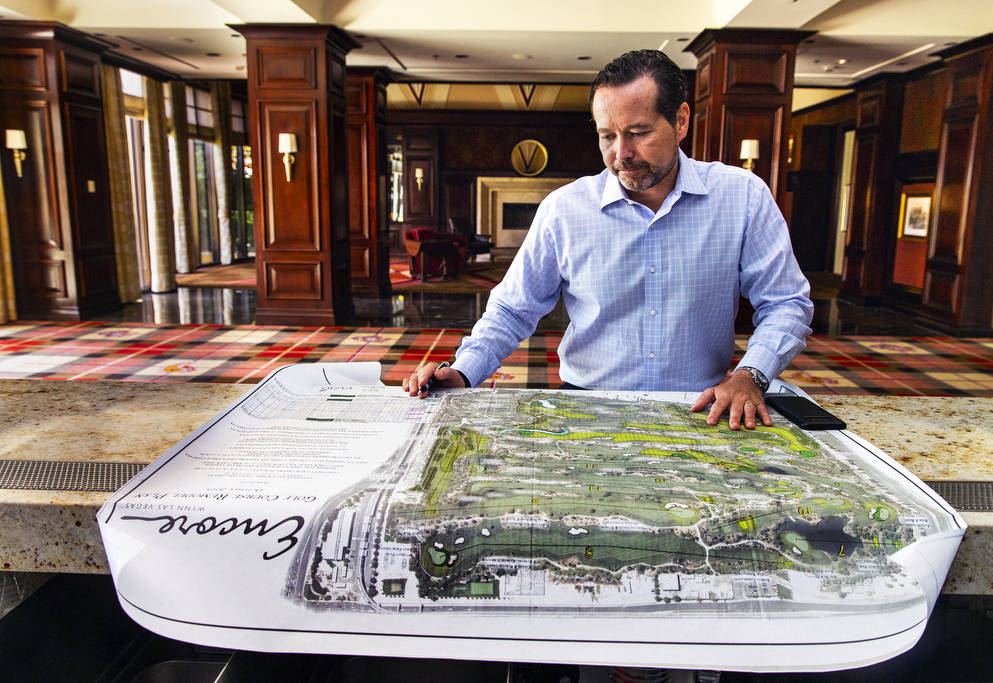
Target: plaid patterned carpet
925 366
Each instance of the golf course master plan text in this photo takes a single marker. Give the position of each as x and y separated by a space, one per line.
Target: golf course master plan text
608 502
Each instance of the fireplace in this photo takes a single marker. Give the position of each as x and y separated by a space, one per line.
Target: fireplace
506 206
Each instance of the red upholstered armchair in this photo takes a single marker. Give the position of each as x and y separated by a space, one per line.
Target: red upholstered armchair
432 253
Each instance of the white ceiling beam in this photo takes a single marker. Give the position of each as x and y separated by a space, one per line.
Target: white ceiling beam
664 16
781 14
273 11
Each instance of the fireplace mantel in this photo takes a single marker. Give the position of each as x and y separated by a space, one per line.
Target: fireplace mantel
493 192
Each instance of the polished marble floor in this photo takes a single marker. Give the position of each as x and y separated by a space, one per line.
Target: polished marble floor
217 306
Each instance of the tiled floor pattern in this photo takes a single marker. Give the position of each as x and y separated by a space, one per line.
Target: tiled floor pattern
925 366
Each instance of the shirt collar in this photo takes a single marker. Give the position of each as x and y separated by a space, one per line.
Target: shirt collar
687 180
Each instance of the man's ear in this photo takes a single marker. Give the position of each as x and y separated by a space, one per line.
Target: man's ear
682 121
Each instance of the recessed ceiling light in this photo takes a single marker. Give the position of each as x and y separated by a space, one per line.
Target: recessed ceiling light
461 56
842 61
583 58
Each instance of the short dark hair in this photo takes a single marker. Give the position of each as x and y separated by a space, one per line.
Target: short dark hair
630 66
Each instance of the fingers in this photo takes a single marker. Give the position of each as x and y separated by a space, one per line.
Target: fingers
764 413
703 400
412 384
740 399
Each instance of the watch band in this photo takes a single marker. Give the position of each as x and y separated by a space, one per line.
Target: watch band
760 380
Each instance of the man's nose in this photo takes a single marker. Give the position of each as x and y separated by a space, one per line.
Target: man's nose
625 148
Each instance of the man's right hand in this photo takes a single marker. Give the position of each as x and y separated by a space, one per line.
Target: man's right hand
446 377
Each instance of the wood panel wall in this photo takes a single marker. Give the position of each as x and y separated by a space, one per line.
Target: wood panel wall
59 211
455 147
296 84
744 90
960 246
368 222
879 106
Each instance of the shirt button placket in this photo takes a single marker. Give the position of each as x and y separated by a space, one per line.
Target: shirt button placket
653 297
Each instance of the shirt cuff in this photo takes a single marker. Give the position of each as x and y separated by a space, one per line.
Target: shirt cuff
473 370
762 360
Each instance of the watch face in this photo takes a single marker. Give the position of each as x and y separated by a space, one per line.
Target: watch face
529 157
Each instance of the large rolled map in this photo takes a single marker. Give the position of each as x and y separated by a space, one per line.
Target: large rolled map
321 514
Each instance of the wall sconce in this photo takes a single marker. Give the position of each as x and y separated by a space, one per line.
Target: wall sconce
288 148
749 152
18 142
419 177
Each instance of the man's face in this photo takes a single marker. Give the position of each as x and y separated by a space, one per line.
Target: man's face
638 144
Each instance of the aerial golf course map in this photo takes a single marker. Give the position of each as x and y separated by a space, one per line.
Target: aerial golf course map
324 512
571 502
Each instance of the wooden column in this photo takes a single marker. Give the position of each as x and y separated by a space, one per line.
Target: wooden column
61 228
296 84
879 111
957 292
744 90
369 227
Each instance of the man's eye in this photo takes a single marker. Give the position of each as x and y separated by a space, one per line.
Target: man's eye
606 138
638 133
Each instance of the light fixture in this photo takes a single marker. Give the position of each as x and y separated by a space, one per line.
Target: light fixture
749 152
419 177
18 142
288 148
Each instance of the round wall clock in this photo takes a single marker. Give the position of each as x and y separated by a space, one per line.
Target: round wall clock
529 157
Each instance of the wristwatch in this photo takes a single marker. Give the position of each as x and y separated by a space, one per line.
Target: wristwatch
760 381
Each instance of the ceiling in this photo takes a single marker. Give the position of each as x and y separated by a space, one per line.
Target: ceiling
526 41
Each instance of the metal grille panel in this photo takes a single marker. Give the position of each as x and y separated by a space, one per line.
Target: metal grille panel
967 496
47 475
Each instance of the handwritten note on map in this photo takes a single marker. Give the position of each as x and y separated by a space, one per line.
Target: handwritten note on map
320 515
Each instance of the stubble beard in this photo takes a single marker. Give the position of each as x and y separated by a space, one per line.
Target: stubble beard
653 176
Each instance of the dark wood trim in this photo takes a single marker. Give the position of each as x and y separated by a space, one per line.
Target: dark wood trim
977 43
916 167
296 84
122 61
448 117
62 238
757 36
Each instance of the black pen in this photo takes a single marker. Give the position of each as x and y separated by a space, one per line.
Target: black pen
429 385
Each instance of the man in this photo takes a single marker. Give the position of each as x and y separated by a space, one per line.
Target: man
650 257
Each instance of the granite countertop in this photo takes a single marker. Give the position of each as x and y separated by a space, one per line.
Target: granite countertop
56 531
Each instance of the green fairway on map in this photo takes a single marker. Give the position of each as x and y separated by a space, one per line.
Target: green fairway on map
523 500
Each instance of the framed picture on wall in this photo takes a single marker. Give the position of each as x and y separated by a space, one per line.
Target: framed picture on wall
915 215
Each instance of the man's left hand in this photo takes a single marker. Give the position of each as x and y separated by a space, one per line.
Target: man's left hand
739 396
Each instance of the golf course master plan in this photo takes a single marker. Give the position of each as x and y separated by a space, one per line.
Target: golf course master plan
605 503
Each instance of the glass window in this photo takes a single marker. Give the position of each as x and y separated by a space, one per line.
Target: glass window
204 201
199 112
238 124
132 83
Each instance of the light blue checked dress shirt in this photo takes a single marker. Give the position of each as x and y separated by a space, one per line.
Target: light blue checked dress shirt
651 298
